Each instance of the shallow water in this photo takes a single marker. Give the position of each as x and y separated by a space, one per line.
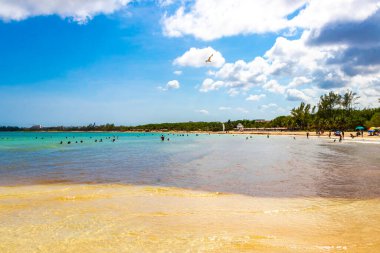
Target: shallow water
119 218
255 195
275 167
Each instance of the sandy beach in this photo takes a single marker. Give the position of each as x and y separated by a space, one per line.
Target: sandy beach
123 218
347 137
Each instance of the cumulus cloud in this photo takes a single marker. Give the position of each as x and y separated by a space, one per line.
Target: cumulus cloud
318 13
209 85
196 57
338 46
171 85
78 10
268 106
213 19
296 95
255 97
231 18
177 72
274 86
203 111
165 3
299 81
224 108
233 92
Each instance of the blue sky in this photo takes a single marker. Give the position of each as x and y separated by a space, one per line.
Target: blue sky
134 62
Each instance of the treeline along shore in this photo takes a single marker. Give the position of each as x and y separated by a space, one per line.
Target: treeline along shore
333 112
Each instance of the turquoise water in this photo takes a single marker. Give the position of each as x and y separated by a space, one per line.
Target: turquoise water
278 166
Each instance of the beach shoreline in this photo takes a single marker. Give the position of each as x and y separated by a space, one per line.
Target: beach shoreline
312 134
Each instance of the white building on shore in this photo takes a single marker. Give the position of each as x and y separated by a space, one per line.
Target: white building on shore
240 127
36 127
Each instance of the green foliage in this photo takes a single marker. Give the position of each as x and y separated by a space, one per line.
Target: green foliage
332 112
375 121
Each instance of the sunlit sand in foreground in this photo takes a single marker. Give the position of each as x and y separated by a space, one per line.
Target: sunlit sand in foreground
119 218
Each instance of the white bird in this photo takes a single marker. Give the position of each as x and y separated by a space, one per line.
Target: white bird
209 59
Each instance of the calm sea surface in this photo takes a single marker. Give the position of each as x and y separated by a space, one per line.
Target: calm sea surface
276 167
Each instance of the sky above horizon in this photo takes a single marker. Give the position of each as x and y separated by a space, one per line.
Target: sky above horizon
76 62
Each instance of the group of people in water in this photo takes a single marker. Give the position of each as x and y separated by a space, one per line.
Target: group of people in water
113 139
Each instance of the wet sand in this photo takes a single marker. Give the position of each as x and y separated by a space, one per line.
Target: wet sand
127 218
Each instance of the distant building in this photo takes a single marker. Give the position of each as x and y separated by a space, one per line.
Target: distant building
36 127
240 127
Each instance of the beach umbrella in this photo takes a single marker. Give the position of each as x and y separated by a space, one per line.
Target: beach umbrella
359 128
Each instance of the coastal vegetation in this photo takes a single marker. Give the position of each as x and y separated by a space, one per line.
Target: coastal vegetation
333 112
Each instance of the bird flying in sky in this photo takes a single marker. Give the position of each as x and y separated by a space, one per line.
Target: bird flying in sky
209 59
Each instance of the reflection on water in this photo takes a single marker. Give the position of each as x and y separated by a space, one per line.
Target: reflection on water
274 167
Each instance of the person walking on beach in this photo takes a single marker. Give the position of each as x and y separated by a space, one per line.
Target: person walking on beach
342 134
307 135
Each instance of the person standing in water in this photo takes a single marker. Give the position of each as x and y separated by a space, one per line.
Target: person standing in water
162 137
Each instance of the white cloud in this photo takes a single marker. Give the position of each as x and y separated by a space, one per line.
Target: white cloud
165 3
232 92
203 111
321 12
177 72
255 97
296 95
307 67
196 57
78 10
329 55
299 81
225 108
209 85
274 86
171 85
213 19
268 106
